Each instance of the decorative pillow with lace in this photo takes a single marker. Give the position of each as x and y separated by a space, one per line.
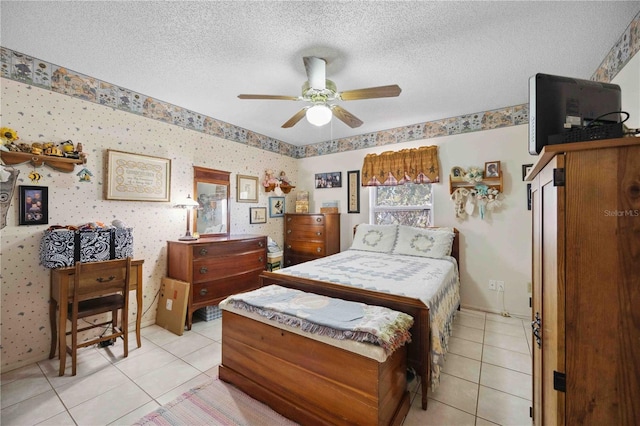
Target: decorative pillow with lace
435 243
378 238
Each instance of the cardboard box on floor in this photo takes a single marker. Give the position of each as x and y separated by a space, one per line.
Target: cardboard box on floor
172 306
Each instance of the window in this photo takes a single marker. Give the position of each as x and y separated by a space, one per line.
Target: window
409 204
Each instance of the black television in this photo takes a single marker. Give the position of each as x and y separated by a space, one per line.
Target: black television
564 109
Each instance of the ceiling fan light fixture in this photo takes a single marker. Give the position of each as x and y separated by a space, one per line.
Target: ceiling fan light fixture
319 115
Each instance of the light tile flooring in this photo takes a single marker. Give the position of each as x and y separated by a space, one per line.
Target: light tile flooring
486 378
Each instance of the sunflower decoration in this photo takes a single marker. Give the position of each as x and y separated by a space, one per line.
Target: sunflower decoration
8 135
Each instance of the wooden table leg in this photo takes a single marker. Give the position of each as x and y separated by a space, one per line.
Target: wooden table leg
139 301
62 327
53 307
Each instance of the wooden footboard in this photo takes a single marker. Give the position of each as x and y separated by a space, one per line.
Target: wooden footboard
418 351
309 381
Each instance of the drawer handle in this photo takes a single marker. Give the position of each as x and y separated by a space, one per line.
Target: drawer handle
318 233
203 292
288 231
261 259
204 270
261 243
288 219
319 249
318 219
106 280
203 251
289 246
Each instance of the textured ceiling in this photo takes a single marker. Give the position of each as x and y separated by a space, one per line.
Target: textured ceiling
449 58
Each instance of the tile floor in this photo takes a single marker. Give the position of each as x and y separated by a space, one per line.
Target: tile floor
486 379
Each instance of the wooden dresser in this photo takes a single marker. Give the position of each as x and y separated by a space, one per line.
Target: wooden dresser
586 283
217 267
310 236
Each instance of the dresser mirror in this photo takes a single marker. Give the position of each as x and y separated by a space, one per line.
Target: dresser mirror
211 190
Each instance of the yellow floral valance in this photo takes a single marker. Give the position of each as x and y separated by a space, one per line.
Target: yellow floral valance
391 168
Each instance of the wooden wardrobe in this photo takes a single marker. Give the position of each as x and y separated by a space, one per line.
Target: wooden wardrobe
586 283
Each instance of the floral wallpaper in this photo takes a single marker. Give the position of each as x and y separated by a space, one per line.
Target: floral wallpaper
44 115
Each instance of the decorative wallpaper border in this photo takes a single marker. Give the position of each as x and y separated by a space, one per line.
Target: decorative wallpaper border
32 71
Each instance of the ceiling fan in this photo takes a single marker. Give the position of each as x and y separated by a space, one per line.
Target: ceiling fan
322 93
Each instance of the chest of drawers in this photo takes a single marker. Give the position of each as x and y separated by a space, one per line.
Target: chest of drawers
217 267
310 236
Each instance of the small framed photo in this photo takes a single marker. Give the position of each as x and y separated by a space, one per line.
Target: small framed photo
257 215
526 168
34 205
329 180
247 189
492 169
457 173
276 206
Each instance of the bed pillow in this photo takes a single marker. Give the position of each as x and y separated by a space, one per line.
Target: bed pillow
434 243
378 238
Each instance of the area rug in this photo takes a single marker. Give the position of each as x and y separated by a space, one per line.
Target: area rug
214 403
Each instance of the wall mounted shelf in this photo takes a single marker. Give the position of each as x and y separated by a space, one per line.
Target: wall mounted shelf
286 188
60 164
495 183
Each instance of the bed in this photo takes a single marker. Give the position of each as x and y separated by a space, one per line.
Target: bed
411 270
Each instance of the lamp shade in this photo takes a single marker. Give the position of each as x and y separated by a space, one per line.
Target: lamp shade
319 115
187 203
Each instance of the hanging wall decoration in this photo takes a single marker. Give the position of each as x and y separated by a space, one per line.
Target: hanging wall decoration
475 187
8 179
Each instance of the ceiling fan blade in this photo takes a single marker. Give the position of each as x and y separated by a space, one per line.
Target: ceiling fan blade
316 72
371 92
346 117
273 97
294 120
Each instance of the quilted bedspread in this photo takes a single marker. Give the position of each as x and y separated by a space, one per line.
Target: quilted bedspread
435 282
327 316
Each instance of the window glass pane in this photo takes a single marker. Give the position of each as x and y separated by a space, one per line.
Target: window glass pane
404 195
417 218
409 204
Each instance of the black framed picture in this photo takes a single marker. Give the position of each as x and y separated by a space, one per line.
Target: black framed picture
34 205
329 180
353 191
526 168
257 215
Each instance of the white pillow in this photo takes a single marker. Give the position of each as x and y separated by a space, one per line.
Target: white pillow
378 238
434 243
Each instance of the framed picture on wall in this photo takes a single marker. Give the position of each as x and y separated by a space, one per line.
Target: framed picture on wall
247 189
34 205
137 177
257 215
353 191
329 180
276 206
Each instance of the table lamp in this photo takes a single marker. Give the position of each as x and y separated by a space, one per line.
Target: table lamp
189 204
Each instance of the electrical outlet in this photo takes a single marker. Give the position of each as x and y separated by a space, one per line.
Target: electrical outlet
492 284
500 285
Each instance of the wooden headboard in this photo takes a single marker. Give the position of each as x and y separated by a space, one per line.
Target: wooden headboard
455 248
